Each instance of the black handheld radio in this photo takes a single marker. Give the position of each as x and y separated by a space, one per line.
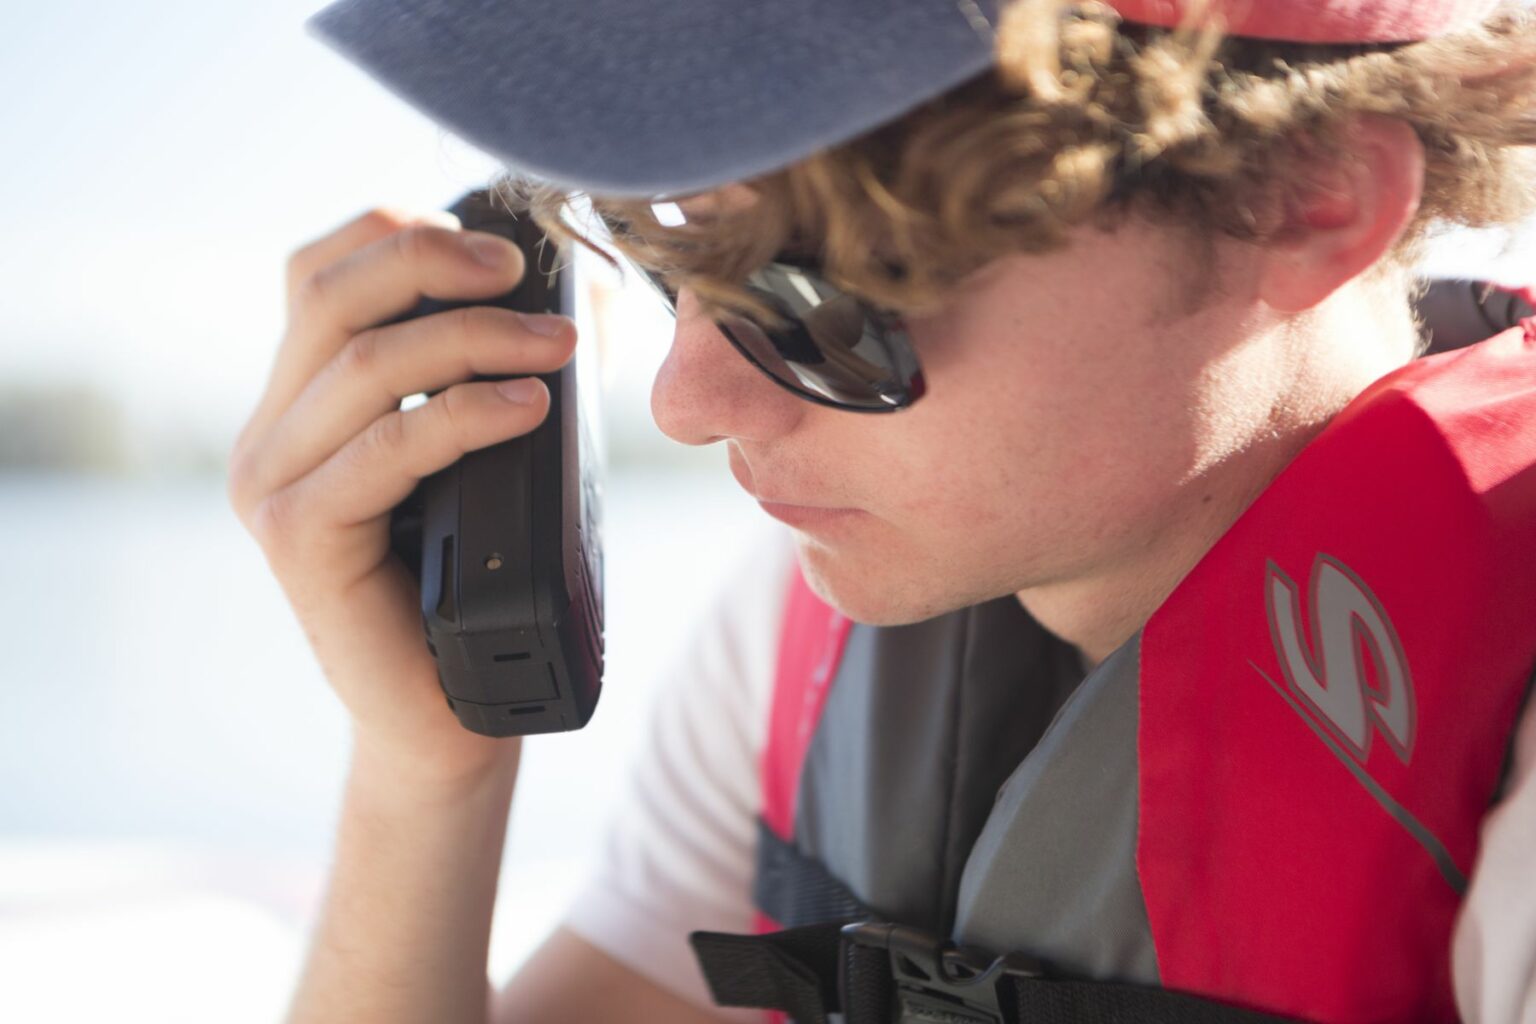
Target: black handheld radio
505 542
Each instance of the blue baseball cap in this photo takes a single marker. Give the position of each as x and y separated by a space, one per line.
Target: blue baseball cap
652 98
627 98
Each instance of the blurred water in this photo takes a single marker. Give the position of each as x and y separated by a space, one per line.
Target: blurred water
156 683
164 728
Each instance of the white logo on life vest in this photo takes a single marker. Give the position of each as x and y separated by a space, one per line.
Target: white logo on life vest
1328 675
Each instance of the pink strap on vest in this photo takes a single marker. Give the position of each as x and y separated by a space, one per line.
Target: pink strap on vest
810 646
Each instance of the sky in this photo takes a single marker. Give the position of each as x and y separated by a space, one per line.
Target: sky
163 158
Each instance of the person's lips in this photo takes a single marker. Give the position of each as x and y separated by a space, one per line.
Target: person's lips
798 514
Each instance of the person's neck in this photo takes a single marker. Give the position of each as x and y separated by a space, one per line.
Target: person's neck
1099 611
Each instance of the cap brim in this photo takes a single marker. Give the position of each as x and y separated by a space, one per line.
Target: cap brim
628 99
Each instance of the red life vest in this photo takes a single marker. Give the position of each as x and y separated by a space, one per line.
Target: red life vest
1311 728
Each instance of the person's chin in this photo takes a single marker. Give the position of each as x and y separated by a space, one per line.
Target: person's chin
880 594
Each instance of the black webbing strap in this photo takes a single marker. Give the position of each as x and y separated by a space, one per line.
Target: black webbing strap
794 970
880 973
795 889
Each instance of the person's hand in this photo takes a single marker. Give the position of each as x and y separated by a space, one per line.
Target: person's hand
328 453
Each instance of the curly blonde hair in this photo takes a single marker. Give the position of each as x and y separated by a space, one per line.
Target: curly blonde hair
1085 118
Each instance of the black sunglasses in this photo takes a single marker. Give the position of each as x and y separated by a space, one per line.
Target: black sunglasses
836 350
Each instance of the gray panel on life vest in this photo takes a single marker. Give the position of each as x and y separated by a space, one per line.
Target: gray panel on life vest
921 726
1056 862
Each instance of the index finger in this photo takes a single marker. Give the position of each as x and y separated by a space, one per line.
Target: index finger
363 230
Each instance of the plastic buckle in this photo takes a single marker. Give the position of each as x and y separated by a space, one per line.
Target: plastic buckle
937 981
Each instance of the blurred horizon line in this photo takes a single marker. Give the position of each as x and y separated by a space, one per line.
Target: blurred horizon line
81 429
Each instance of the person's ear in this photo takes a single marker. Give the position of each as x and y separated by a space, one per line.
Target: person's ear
1343 216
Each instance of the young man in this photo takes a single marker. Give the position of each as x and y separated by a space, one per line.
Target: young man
1123 446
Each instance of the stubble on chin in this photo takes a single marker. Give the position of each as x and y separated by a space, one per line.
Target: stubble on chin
876 592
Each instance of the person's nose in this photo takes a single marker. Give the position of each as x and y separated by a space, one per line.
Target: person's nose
707 391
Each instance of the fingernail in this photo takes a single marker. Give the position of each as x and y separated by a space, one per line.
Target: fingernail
547 324
522 390
490 251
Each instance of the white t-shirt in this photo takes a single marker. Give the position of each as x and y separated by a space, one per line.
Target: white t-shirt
679 854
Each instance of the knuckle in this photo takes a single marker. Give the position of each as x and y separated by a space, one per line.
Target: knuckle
360 357
455 412
413 243
471 322
238 481
244 482
385 440
300 264
276 522
314 289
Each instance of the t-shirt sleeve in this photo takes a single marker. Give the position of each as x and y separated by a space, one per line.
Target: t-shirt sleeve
679 852
1493 952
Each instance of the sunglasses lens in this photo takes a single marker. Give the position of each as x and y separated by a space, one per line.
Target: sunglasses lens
834 348
836 355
